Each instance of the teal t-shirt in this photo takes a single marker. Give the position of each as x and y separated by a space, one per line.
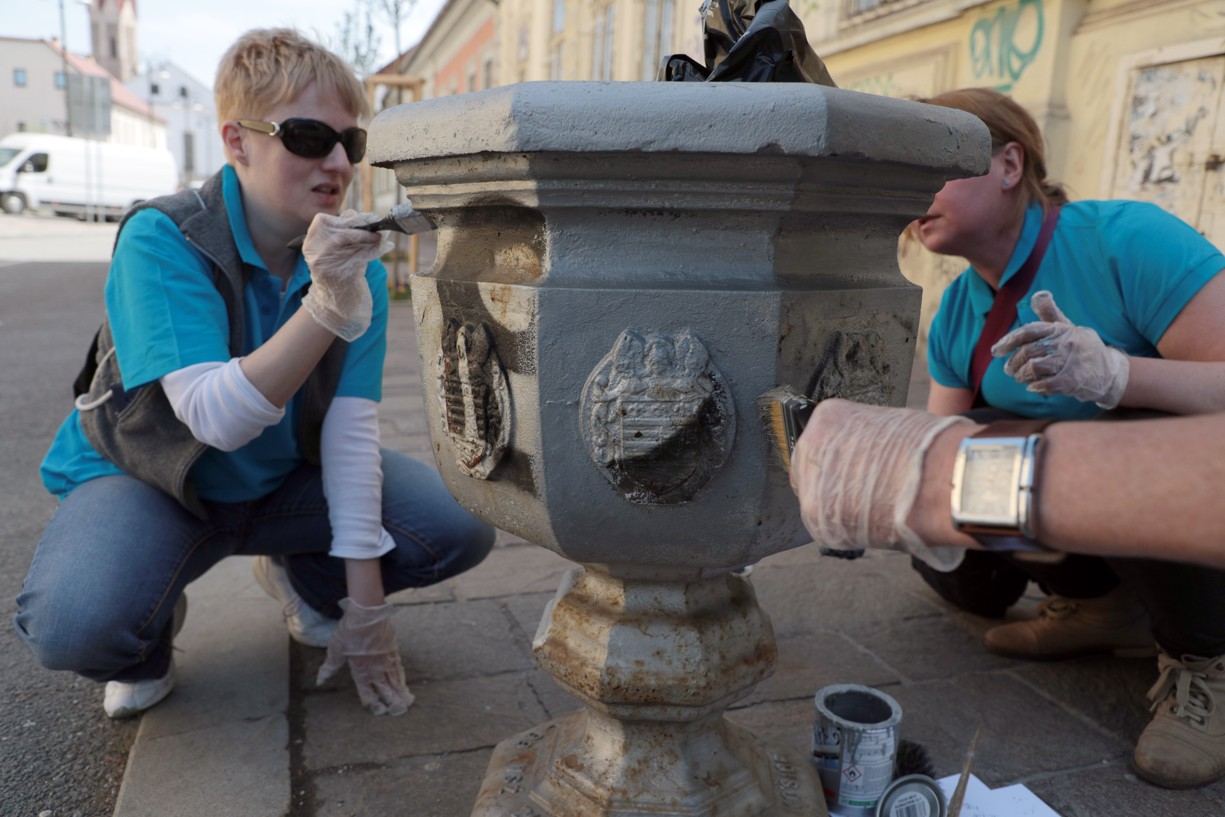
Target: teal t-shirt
1124 268
166 314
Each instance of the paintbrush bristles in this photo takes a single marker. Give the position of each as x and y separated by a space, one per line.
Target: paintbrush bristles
784 413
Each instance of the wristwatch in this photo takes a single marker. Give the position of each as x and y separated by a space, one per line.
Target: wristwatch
993 485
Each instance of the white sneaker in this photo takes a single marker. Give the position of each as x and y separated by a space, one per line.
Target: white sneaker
127 700
306 624
124 699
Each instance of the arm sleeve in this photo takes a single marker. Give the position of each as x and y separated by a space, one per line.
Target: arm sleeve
219 404
353 479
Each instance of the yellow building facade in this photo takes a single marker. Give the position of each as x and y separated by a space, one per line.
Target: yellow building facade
1128 92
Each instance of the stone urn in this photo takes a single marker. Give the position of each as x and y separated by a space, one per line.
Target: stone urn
622 269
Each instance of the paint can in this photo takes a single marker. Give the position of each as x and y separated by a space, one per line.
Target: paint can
854 746
915 795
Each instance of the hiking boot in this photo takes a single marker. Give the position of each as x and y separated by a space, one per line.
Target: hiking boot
1184 745
306 624
127 699
1114 623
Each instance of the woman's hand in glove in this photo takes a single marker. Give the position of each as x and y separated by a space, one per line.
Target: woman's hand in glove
337 254
367 641
856 471
1054 356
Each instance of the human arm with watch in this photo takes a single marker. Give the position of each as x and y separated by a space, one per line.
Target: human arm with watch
1124 488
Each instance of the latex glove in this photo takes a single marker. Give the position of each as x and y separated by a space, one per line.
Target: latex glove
339 297
856 471
366 640
1054 356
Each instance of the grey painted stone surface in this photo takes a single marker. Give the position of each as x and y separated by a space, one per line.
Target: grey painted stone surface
736 118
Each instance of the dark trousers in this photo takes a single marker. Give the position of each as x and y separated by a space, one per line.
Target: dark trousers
1186 602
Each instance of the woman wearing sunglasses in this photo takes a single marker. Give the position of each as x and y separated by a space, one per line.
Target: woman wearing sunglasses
229 407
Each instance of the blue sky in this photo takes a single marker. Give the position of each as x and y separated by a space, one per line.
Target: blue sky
195 34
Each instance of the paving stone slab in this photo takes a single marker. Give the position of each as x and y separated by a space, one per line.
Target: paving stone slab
513 570
235 769
459 640
222 735
1114 790
442 785
808 662
920 649
528 610
1110 691
1025 734
831 594
448 716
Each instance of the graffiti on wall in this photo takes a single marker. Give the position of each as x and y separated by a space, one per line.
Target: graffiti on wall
881 84
1004 44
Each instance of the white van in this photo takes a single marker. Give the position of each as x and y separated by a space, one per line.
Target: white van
42 171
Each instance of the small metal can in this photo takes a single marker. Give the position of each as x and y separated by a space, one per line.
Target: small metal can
915 795
854 746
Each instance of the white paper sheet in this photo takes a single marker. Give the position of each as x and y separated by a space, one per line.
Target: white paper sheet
1009 801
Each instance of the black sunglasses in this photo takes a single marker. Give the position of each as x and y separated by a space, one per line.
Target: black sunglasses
310 138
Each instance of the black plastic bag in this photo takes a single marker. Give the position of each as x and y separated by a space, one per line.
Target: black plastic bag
750 41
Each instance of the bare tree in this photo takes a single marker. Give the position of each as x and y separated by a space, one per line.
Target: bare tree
357 41
396 12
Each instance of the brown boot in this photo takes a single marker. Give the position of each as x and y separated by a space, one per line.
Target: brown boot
1114 623
1184 745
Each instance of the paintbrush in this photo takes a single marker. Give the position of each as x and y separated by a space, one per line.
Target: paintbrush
959 793
784 412
402 218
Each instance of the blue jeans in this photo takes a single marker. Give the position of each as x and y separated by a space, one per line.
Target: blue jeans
118 553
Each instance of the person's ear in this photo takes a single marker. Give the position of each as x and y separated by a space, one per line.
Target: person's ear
233 136
1013 156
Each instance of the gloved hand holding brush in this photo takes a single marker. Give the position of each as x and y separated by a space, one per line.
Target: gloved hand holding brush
856 471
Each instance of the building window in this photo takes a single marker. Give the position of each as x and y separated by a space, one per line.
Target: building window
189 152
472 77
19 77
154 90
59 80
602 43
657 36
488 80
557 67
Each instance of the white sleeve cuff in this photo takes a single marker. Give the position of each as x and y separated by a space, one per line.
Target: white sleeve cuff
353 479
219 404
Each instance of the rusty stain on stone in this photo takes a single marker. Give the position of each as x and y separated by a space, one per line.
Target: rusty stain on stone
475 397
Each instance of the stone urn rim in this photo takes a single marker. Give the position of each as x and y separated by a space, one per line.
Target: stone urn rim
783 119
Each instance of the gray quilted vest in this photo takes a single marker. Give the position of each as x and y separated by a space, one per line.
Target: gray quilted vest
136 429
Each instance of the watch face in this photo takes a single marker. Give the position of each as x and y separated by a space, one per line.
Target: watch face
989 484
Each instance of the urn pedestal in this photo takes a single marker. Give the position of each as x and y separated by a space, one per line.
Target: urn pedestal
622 269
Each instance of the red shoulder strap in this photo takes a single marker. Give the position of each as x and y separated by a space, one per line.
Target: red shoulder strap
1004 308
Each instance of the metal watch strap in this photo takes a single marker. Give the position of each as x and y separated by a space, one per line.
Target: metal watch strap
996 539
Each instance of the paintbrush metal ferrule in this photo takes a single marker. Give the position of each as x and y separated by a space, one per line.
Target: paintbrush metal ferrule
785 413
402 218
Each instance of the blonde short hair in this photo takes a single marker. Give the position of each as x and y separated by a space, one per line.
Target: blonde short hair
269 66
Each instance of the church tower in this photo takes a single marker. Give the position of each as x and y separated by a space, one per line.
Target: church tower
113 35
